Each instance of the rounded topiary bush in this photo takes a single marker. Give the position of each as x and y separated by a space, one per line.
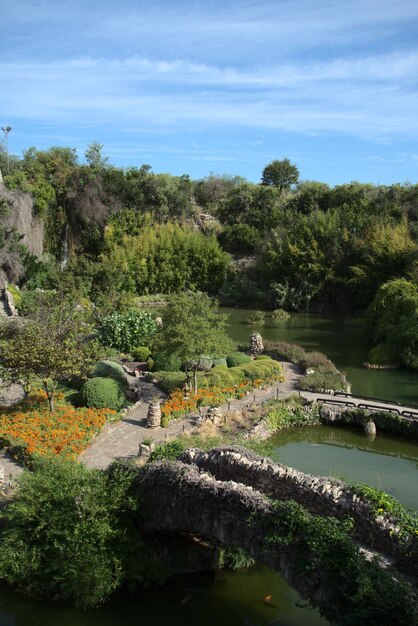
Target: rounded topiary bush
110 369
237 358
141 353
103 393
220 361
382 354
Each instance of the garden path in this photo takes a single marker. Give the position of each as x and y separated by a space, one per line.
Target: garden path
121 440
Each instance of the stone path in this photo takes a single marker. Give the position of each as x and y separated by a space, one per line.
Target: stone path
121 440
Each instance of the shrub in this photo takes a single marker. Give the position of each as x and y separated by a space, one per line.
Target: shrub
323 379
110 369
237 358
103 393
166 362
316 360
220 361
141 353
280 314
169 451
262 357
382 354
66 532
167 381
150 364
126 331
285 351
240 238
256 318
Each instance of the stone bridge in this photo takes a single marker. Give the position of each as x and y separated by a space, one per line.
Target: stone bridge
221 496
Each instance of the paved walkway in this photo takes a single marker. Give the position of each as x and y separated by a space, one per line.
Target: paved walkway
121 440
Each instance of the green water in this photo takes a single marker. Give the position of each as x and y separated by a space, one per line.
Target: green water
389 463
344 341
230 598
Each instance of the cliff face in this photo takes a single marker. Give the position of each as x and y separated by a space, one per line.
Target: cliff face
22 219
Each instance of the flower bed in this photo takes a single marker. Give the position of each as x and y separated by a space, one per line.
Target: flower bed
178 405
30 430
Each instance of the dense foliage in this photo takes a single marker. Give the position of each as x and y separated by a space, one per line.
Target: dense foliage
51 344
128 330
65 535
192 327
136 232
101 393
393 316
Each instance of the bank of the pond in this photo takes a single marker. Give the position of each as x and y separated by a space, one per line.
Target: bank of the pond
389 463
343 340
228 597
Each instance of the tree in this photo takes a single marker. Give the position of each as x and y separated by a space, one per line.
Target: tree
393 316
94 155
53 344
282 174
192 327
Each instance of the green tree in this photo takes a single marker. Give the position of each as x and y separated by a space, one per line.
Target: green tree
282 174
95 157
51 345
192 327
393 315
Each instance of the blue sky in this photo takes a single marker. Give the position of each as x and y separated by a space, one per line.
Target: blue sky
193 87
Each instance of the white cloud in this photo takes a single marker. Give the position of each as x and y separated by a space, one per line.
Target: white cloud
375 96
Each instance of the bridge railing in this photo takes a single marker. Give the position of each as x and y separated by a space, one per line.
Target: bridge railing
370 407
352 395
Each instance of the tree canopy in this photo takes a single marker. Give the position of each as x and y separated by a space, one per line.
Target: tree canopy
192 327
282 174
52 344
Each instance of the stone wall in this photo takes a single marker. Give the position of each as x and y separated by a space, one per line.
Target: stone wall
320 495
180 498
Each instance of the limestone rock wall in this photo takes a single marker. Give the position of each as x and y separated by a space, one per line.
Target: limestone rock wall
22 219
320 495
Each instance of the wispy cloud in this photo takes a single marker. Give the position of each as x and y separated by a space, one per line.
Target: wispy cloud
376 95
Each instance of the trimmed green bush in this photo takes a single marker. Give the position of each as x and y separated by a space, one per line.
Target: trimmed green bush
110 369
237 358
220 361
141 353
150 364
262 357
103 393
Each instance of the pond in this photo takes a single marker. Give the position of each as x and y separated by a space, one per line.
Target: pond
343 340
233 598
389 463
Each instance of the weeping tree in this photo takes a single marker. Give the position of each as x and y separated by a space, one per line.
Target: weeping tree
54 343
192 327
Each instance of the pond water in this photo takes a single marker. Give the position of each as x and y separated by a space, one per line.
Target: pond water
389 463
235 598
344 341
